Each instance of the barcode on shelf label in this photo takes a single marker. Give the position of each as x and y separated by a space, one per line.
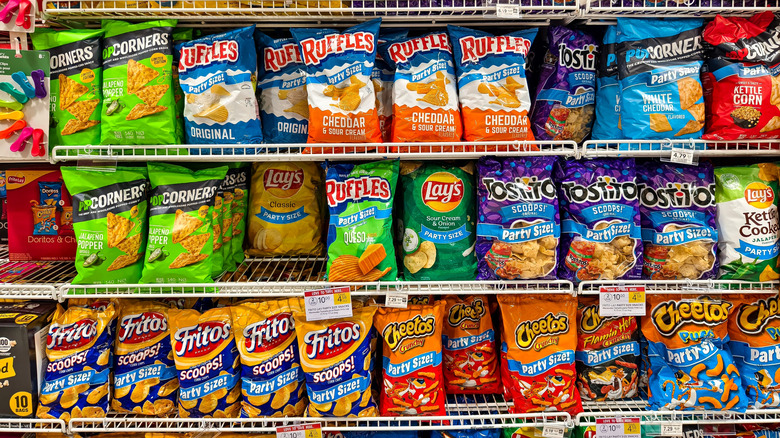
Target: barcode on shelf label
672 429
508 11
617 427
622 301
328 303
553 431
399 300
308 430
682 156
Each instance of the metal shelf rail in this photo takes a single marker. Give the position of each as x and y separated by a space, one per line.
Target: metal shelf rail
674 8
663 148
32 425
685 286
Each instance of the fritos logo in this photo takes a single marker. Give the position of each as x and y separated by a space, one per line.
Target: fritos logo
71 336
357 189
201 339
135 329
276 59
668 316
402 51
476 48
331 341
418 327
442 192
753 317
283 183
528 332
759 195
269 333
463 312
205 54
314 50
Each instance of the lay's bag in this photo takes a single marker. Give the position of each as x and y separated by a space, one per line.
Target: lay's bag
207 363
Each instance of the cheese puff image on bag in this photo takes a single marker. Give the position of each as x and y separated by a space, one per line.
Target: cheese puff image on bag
539 339
342 105
412 360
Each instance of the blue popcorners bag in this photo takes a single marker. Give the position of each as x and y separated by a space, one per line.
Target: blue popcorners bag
607 125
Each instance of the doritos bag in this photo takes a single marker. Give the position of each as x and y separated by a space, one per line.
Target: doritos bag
207 363
342 105
492 87
658 65
382 76
607 124
78 347
537 366
425 105
469 347
411 351
145 379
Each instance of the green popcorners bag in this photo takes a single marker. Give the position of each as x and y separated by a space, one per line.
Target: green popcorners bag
109 220
139 106
76 76
439 219
237 181
181 237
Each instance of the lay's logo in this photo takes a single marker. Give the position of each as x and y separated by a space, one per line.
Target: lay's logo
283 183
364 188
753 317
463 312
442 192
205 54
668 316
759 195
331 341
71 336
402 51
476 48
528 332
277 59
201 339
314 50
269 333
418 327
136 329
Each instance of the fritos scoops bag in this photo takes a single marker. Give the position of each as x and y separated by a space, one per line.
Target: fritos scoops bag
272 381
411 351
207 363
607 124
492 87
425 104
658 66
78 347
537 350
677 205
336 359
342 104
144 371
469 347
691 364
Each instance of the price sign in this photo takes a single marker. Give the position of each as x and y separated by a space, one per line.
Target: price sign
682 156
308 430
398 300
672 429
508 11
550 431
617 428
328 303
622 301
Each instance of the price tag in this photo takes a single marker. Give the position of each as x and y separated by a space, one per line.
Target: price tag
550 431
682 156
622 301
508 11
617 428
308 430
672 429
399 300
328 303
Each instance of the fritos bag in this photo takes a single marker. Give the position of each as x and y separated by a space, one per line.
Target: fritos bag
78 346
411 351
336 357
207 363
607 124
272 381
469 347
492 86
537 350
342 105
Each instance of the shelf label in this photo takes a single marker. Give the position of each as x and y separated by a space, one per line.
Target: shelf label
671 429
550 431
399 300
328 303
622 301
682 156
308 430
617 427
508 11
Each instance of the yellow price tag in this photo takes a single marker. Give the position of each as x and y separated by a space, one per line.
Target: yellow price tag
314 433
636 297
341 298
631 428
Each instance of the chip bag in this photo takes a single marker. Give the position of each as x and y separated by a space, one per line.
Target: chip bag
207 363
144 371
342 106
537 365
411 352
607 124
180 35
217 258
235 191
336 357
492 87
285 216
78 346
382 76
360 239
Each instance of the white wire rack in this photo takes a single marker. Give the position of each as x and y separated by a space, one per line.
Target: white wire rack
32 425
663 148
675 8
685 286
32 280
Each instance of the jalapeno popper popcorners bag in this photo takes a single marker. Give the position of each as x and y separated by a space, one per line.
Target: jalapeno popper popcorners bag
539 339
492 87
692 367
411 360
677 205
607 124
658 66
217 74
342 105
109 219
138 103
76 79
360 239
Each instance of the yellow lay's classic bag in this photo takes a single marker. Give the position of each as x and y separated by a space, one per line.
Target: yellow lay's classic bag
207 363
272 381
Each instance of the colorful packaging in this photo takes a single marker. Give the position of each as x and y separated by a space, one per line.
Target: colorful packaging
218 75
492 88
467 433
180 35
360 231
607 353
144 371
217 216
691 364
469 347
411 360
601 235
207 363
425 104
237 180
78 347
439 218
537 365
566 94
272 381
382 76
607 125
76 79
336 357
658 65
137 80
519 224
110 223
342 105
679 234
284 213
747 214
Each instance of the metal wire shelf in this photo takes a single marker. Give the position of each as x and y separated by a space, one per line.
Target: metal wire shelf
32 425
675 8
685 286
32 280
663 148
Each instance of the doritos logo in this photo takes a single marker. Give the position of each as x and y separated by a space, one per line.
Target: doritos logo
753 317
442 192
331 341
71 336
135 329
283 183
418 327
476 48
201 339
402 51
528 332
583 59
205 54
759 195
269 333
276 59
461 312
314 50
357 189
668 316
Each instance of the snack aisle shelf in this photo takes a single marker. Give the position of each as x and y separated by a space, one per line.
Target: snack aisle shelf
33 425
663 148
611 9
684 286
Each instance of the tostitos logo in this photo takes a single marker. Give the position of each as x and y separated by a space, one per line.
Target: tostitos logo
136 329
201 339
331 341
753 317
418 327
442 192
71 336
283 183
759 195
269 333
470 314
528 332
669 316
